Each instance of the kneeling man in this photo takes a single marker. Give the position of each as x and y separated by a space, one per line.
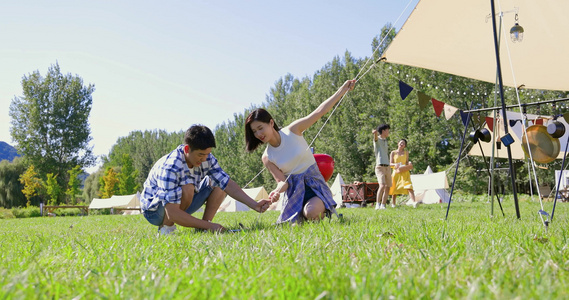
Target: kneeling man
186 178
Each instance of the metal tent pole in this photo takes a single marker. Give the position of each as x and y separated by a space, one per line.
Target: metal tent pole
458 162
499 70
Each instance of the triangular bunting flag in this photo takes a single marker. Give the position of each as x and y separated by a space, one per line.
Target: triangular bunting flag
513 122
450 110
490 122
423 99
464 117
404 89
479 119
438 106
475 118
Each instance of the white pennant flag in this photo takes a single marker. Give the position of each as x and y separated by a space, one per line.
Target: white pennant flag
449 111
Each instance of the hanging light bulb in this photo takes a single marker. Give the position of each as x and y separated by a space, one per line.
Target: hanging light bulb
517 32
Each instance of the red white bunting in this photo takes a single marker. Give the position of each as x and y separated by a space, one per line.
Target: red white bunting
438 106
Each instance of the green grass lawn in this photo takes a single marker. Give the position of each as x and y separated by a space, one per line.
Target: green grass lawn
401 253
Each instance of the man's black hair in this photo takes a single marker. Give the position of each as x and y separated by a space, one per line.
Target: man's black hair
382 127
199 137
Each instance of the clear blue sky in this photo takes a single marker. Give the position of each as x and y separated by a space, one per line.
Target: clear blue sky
169 64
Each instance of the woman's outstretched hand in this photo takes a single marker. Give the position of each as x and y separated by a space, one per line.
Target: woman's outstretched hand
349 85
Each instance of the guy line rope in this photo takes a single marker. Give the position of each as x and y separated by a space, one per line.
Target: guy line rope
357 78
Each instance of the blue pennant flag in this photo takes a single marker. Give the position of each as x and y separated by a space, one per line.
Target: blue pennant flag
513 122
464 117
404 89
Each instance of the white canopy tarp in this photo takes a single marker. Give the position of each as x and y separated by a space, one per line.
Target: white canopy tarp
430 187
516 132
232 205
456 37
126 201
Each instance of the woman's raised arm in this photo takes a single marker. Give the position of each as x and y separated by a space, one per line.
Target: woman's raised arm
300 125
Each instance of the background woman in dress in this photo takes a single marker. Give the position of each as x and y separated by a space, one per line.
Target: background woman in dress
401 173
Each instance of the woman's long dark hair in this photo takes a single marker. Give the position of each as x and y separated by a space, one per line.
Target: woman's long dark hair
261 115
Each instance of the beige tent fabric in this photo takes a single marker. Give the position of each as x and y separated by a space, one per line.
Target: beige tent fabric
456 37
133 200
231 205
429 180
126 201
97 203
429 187
517 133
336 190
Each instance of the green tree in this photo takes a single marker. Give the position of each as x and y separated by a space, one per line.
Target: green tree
381 42
10 186
91 186
32 184
145 148
50 122
127 177
53 189
109 184
73 185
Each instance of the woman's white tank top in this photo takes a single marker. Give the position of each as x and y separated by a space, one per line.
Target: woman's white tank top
292 156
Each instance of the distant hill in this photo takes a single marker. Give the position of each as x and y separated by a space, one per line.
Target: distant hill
7 152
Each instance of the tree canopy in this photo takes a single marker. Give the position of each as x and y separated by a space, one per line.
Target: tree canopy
50 122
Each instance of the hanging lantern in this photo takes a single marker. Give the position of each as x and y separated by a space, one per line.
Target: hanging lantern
517 32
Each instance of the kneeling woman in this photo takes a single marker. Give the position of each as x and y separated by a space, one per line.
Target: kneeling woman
291 162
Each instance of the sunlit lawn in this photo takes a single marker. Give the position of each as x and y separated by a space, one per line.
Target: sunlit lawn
401 253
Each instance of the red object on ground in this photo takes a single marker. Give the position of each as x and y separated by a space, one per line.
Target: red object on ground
325 164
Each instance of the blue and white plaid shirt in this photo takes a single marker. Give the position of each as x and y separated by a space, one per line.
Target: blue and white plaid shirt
170 173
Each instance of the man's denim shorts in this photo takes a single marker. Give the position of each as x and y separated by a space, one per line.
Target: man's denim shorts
156 217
